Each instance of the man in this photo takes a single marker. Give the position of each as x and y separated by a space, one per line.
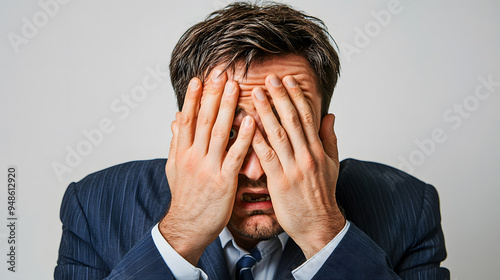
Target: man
253 176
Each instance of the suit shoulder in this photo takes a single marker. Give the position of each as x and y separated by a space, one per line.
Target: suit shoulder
123 201
386 203
369 176
379 185
139 185
122 175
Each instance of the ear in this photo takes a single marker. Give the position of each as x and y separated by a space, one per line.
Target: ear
173 144
328 137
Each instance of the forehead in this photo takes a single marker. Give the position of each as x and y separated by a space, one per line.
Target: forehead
289 65
293 65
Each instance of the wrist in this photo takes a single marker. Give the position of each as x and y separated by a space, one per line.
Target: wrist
315 240
185 242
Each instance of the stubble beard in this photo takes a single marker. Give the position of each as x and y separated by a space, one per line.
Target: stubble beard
251 229
258 224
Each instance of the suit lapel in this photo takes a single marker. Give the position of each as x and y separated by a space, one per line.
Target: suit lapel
213 261
291 258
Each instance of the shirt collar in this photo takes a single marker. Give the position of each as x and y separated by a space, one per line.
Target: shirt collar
226 236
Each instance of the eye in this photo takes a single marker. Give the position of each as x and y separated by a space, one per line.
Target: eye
232 134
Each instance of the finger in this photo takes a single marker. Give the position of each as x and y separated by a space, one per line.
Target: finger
276 134
187 118
267 156
212 94
328 137
236 154
288 114
304 110
224 121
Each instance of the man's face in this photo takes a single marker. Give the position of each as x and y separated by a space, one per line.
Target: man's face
253 217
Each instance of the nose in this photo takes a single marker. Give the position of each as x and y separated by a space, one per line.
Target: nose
251 167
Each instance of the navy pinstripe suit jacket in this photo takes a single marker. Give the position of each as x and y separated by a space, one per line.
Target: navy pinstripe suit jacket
395 231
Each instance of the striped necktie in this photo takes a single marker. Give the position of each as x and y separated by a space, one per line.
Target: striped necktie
245 264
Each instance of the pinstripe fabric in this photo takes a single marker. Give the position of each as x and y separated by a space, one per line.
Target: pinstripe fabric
213 261
107 217
98 225
399 212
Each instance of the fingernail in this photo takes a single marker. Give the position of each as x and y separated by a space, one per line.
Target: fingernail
247 121
216 75
275 81
290 81
193 84
259 93
229 89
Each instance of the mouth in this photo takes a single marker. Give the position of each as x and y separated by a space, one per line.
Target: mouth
255 197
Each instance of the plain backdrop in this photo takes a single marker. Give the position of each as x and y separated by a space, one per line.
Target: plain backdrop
419 90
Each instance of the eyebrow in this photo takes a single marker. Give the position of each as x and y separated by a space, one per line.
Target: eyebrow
241 111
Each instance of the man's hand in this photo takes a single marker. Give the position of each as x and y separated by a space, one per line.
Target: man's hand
301 166
202 175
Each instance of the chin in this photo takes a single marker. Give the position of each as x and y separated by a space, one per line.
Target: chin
257 226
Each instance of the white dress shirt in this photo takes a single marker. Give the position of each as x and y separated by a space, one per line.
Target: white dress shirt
271 251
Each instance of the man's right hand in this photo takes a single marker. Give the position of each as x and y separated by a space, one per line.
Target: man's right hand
202 173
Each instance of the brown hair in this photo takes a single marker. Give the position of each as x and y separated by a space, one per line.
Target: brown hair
245 32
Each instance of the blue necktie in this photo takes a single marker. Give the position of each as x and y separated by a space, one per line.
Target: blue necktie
245 264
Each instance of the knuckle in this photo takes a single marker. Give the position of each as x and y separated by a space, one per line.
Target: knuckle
297 94
234 157
320 154
267 110
220 133
294 119
213 93
269 155
280 134
191 97
309 162
282 94
299 175
184 120
190 164
203 120
308 118
259 140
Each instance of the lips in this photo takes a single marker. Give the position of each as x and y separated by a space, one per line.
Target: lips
252 199
255 197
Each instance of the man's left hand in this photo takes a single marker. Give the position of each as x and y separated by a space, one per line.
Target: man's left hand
301 165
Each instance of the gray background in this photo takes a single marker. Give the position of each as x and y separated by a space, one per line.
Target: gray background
402 84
